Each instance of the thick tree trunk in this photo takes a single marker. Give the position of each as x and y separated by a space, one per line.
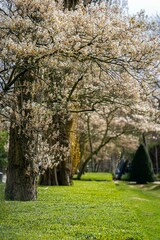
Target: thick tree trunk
61 174
65 174
21 180
22 172
65 165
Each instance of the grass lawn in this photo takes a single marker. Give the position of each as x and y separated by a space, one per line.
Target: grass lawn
87 210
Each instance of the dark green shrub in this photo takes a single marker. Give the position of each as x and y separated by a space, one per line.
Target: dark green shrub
142 169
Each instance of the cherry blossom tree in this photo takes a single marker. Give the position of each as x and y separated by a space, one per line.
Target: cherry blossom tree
116 123
55 63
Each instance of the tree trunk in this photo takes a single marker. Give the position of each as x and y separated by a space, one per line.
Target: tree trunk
62 173
49 177
65 174
156 160
21 180
22 171
82 169
84 163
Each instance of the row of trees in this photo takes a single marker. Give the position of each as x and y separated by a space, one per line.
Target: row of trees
72 82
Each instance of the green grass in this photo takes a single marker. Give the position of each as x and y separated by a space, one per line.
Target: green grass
146 204
87 210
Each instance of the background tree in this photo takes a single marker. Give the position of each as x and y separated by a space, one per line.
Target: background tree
116 123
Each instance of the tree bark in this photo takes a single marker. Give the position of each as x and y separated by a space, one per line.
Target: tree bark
62 173
156 160
82 168
21 173
56 176
21 183
49 177
65 174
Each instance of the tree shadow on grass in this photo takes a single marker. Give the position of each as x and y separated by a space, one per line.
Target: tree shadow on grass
92 179
148 186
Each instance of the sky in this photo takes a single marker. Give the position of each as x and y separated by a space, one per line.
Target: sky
151 7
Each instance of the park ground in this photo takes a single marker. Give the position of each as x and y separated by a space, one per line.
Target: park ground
94 208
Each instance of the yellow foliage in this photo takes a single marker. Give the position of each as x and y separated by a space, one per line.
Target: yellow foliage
74 144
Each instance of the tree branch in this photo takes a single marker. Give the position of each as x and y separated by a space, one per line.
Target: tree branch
74 87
